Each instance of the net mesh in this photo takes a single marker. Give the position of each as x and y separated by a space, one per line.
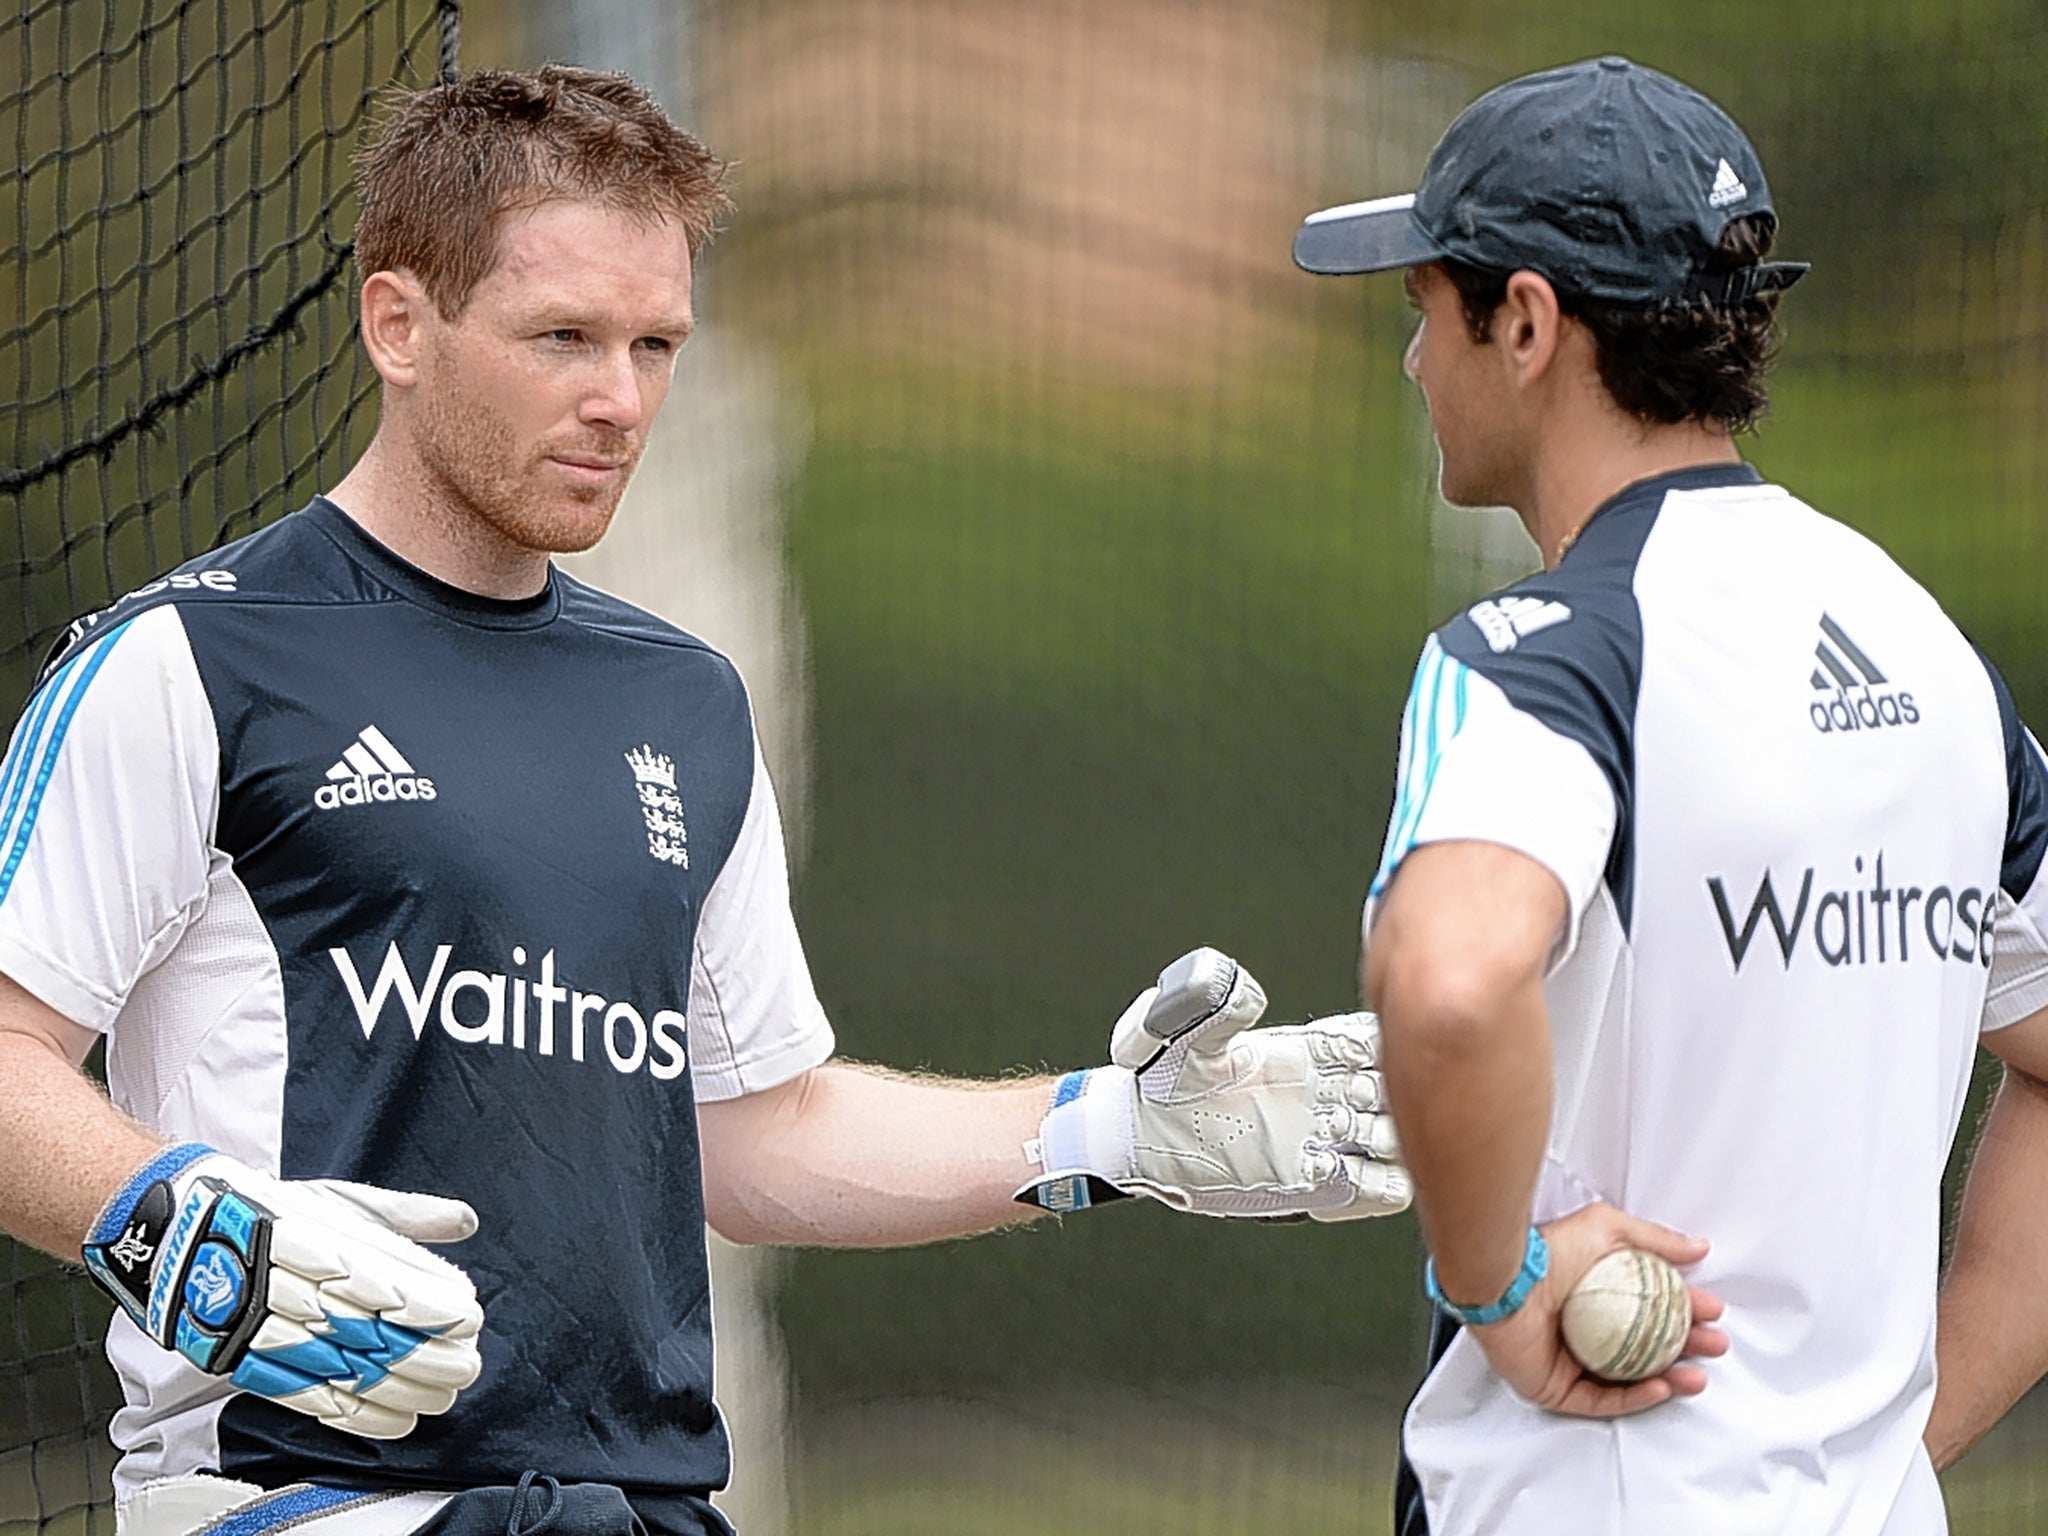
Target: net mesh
175 331
176 343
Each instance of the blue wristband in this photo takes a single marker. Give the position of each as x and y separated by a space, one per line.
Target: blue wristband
1535 1265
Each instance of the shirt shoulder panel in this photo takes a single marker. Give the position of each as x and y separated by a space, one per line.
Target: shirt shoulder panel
108 801
290 562
1566 648
2026 817
599 610
1475 768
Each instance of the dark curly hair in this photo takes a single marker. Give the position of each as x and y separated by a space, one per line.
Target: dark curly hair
1698 360
448 163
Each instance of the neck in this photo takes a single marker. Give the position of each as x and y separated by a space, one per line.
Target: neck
399 503
1577 472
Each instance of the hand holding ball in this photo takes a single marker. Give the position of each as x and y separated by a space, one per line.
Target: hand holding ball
1628 1317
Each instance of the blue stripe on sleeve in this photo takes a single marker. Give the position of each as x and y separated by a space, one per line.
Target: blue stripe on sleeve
15 774
1446 693
1416 731
1408 715
1422 773
88 665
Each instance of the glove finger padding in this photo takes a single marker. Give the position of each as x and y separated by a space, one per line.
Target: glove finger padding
301 1292
1378 1189
1285 1122
423 1218
1201 1002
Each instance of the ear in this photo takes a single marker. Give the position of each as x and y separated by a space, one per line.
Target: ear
396 312
1529 327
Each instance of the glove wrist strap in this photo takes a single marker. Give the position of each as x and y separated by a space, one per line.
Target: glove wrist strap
1535 1265
164 1167
122 1247
1084 1141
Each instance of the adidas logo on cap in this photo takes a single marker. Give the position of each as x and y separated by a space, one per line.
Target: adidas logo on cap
372 769
1727 187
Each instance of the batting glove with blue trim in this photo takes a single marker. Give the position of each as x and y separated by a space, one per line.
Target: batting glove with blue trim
313 1293
1207 1114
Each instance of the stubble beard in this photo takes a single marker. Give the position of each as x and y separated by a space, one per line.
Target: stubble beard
468 453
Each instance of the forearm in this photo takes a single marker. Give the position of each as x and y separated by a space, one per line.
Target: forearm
64 1149
1992 1335
1456 966
1470 1091
853 1156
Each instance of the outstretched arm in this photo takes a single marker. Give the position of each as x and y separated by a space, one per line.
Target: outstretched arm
1992 1335
855 1156
1198 1110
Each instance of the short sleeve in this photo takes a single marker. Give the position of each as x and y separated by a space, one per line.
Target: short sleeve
1475 766
754 1016
2018 985
107 802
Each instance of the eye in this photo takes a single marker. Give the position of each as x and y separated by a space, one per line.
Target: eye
661 346
566 336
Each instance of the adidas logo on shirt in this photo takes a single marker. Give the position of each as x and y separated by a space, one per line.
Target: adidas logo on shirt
1506 621
1853 680
1727 187
372 769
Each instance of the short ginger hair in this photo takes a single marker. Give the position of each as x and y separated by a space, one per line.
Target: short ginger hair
448 163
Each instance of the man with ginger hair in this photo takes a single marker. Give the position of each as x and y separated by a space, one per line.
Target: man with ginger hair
386 857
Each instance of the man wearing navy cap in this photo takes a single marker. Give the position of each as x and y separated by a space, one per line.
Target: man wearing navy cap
1716 825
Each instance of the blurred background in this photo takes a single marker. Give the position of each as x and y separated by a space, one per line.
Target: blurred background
1078 548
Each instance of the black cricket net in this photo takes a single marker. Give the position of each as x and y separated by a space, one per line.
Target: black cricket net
178 365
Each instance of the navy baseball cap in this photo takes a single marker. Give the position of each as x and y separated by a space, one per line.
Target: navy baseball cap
1612 180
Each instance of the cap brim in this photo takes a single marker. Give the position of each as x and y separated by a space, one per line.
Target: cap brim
1379 236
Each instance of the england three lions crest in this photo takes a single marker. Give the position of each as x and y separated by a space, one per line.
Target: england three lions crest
654 775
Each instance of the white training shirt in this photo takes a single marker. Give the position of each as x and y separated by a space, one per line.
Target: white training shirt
1801 832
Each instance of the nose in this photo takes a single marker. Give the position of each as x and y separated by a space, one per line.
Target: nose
1411 360
612 396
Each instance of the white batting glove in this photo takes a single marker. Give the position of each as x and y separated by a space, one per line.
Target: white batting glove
1209 1115
313 1293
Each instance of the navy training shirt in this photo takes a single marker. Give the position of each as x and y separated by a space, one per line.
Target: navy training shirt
368 877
